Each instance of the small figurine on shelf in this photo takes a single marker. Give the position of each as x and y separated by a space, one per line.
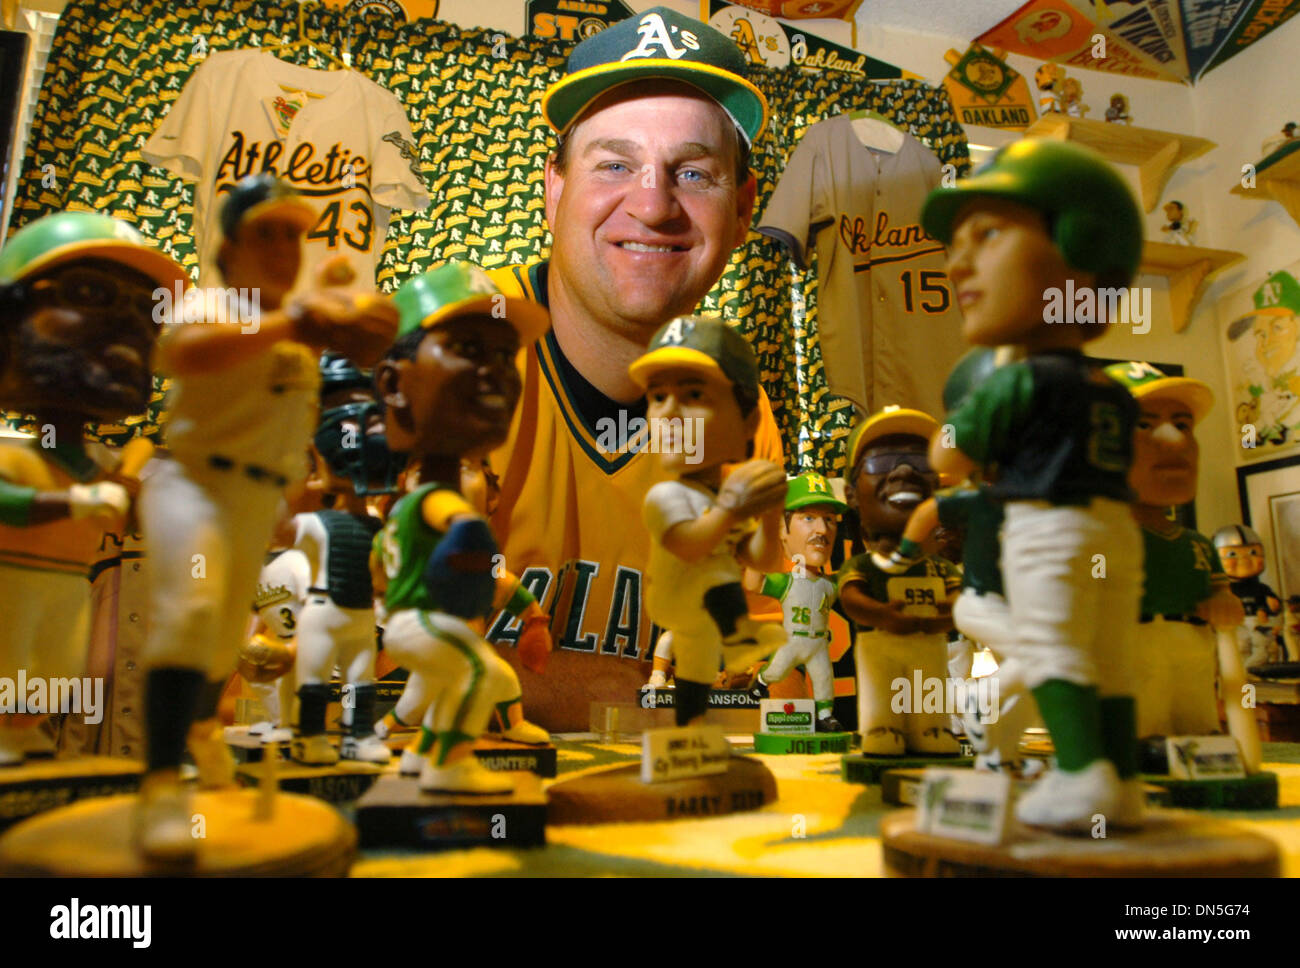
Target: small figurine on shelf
1259 637
703 526
1185 593
266 660
1288 135
336 626
1049 216
806 594
243 404
903 616
1118 110
1072 98
1050 79
76 335
450 386
1179 230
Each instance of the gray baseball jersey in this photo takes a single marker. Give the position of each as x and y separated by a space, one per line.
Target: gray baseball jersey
339 138
888 322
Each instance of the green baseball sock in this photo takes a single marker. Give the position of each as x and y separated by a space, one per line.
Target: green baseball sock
1073 717
1119 733
425 742
823 705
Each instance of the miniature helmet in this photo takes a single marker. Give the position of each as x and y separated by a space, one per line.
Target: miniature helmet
363 458
1235 535
339 373
67 236
1091 213
975 366
260 196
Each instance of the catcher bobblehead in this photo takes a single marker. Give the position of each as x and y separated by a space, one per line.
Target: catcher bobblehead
1046 218
450 388
76 335
243 406
702 527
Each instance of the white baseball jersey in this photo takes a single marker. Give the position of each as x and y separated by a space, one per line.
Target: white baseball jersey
677 585
888 322
281 589
339 138
260 412
806 602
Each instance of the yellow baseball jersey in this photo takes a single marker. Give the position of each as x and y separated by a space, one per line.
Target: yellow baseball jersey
569 522
65 545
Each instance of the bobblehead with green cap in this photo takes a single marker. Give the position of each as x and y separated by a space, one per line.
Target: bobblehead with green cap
100 275
450 381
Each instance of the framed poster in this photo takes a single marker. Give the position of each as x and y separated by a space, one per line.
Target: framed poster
13 62
1270 504
1262 362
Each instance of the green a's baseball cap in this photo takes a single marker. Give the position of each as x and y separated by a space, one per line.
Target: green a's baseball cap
809 489
263 196
67 236
702 343
660 43
463 289
1278 295
1145 380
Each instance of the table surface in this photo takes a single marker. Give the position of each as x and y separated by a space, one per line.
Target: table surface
819 825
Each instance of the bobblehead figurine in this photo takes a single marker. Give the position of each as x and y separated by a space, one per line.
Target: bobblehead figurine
1118 110
1185 592
980 612
243 406
449 387
703 527
903 618
1179 230
76 335
1259 637
336 625
806 594
267 660
1041 221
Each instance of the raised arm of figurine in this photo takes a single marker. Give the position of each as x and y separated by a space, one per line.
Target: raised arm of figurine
762 550
535 637
1222 609
947 459
919 527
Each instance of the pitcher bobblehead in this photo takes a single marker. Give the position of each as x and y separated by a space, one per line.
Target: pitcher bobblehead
243 405
1044 218
702 526
450 387
76 335
902 619
806 594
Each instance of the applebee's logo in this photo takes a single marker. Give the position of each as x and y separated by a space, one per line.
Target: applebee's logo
654 33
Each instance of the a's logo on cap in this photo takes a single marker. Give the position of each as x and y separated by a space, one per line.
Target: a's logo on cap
818 483
1270 294
655 33
127 234
480 282
674 334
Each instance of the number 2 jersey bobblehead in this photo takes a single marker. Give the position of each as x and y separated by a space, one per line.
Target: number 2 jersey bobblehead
340 139
889 326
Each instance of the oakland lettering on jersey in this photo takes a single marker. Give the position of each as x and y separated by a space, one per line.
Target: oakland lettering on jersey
853 233
241 160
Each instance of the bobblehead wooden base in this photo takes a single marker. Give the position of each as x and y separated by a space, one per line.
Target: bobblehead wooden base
1257 792
902 788
776 744
302 838
344 782
46 783
1172 844
496 753
395 812
617 795
863 768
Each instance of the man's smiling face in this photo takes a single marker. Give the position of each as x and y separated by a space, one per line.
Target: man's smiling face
893 476
648 208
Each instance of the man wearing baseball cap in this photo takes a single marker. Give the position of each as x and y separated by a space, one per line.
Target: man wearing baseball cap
242 406
76 337
701 381
449 387
647 195
1275 328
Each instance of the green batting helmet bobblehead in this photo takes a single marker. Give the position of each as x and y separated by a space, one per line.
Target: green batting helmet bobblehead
1092 215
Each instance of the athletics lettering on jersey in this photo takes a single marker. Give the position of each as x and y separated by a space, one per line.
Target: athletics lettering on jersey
901 242
240 160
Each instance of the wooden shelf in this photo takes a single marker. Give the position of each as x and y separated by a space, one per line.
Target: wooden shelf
1188 268
1156 153
1280 182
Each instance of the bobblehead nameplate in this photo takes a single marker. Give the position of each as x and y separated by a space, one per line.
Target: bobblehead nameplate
788 717
1204 758
674 754
964 805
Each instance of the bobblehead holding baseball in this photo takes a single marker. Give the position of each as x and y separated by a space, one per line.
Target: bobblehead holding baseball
647 196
